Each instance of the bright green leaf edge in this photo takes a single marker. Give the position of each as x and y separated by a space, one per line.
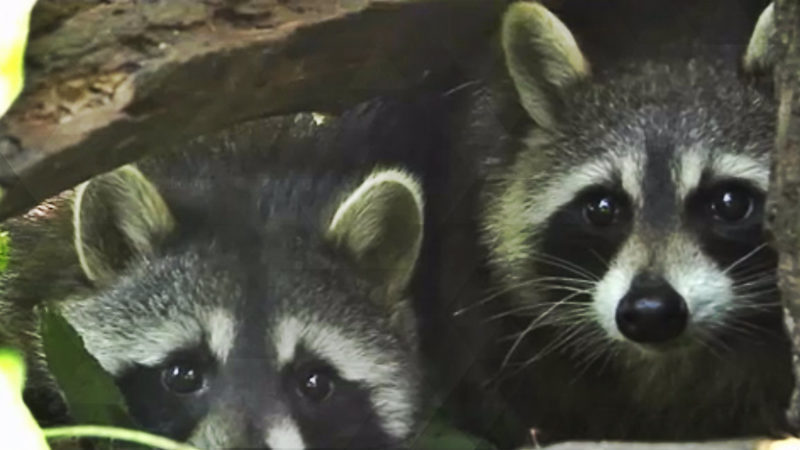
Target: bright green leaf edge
114 433
91 394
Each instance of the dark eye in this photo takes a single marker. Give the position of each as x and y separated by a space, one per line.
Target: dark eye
731 203
601 208
183 378
315 385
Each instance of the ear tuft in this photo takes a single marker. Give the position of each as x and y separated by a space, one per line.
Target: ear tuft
542 57
380 225
117 216
762 50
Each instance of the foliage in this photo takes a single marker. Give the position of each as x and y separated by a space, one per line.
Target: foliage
14 19
91 393
441 436
5 241
16 422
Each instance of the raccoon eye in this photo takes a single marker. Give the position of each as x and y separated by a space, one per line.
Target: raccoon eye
601 209
183 378
315 385
731 203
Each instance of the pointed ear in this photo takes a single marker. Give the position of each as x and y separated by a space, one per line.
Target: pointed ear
380 225
117 216
542 57
763 48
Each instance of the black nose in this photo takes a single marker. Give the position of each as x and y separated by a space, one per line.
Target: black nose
651 311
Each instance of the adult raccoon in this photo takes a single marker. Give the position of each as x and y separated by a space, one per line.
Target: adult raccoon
238 306
625 235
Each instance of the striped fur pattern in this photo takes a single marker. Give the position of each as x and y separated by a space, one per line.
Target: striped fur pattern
626 235
239 307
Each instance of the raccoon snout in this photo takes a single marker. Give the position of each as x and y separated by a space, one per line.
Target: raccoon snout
652 311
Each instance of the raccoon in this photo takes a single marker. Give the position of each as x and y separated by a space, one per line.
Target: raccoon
625 237
246 309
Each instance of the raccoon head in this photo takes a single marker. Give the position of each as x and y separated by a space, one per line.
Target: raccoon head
632 216
225 331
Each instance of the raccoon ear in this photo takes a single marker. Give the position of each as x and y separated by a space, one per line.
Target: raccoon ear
763 48
117 216
542 58
380 225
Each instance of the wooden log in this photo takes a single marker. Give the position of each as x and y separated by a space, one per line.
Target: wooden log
783 204
109 81
743 444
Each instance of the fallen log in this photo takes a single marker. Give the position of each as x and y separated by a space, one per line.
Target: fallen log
109 81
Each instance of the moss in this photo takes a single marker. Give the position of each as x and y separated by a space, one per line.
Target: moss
5 248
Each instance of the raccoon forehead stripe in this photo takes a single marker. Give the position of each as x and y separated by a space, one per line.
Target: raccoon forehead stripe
154 339
731 165
694 162
689 170
217 326
599 171
355 360
221 333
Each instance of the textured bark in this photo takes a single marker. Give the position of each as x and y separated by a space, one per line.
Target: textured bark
716 445
108 81
784 197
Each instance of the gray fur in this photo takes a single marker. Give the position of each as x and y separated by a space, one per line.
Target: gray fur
177 264
656 128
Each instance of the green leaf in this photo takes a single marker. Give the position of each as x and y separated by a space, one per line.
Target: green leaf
91 394
5 242
14 18
441 436
16 422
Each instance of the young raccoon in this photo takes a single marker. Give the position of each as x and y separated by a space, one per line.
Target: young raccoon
626 233
257 309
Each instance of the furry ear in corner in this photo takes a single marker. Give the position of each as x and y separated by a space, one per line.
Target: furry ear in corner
117 216
763 48
542 58
380 225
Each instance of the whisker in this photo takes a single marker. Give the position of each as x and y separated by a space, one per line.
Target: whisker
707 342
531 327
563 338
520 285
766 267
741 327
589 344
570 316
744 276
562 263
744 258
460 87
600 258
531 308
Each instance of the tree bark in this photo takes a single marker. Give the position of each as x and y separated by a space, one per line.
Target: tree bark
714 445
783 204
108 81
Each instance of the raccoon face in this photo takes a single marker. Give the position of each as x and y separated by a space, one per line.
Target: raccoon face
633 214
233 333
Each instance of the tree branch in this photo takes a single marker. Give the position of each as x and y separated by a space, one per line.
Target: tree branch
109 81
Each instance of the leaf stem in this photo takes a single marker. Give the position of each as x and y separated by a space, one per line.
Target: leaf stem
122 434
